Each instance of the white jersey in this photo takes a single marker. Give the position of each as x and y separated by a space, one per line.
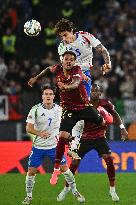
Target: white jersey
45 120
82 46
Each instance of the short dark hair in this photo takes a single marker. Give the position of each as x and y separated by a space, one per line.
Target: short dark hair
48 86
64 25
97 86
69 52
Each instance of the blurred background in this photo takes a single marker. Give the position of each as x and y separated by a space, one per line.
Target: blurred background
113 22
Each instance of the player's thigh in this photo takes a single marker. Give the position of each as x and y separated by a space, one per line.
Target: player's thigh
102 147
84 148
51 153
68 121
90 114
36 157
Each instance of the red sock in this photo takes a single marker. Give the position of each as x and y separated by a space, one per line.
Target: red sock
110 170
60 149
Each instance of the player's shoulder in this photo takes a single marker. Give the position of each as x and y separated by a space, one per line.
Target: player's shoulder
76 68
36 106
55 67
107 104
57 107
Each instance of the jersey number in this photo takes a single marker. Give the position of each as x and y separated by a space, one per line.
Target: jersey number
49 121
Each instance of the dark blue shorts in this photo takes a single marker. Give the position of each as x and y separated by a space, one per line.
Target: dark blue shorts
88 85
37 155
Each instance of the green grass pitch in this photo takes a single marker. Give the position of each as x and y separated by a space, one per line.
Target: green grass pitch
93 186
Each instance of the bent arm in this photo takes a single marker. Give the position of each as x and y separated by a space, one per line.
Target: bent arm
102 50
30 129
118 121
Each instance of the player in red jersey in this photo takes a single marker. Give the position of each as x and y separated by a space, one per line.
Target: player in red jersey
93 137
74 101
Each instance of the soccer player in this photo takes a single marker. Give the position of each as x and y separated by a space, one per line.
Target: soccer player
81 43
74 101
43 121
94 137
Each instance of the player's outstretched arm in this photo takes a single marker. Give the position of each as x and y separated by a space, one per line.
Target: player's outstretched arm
39 76
118 122
107 66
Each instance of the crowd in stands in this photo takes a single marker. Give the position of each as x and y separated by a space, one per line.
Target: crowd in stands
113 22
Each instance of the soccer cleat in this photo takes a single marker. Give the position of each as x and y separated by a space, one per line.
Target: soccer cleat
27 200
54 177
73 154
79 197
63 194
114 196
107 116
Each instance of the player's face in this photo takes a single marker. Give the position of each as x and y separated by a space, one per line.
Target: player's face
48 96
68 61
95 93
67 36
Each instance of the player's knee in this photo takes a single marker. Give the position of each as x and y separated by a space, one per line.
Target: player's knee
64 168
108 160
64 134
75 162
32 171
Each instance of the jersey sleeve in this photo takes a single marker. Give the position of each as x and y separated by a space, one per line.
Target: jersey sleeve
61 49
110 107
31 116
90 39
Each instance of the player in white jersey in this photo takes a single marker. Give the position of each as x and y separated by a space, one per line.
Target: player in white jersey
81 43
43 121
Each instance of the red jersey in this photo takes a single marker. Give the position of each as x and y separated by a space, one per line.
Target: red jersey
93 131
76 99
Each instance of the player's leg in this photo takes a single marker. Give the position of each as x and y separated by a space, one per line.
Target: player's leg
70 179
83 149
35 160
67 123
104 151
75 143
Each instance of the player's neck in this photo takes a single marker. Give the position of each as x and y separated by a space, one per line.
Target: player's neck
66 72
48 105
95 102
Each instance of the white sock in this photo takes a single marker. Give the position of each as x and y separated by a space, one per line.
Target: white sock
69 177
112 188
30 180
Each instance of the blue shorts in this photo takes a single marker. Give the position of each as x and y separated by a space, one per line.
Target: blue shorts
88 85
37 155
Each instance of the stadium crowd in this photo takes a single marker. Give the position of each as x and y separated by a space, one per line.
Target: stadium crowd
113 22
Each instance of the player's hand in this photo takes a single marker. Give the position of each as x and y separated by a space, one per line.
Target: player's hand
106 68
61 85
32 81
85 77
124 134
44 134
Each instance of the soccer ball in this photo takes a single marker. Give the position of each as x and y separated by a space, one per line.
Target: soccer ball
32 27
